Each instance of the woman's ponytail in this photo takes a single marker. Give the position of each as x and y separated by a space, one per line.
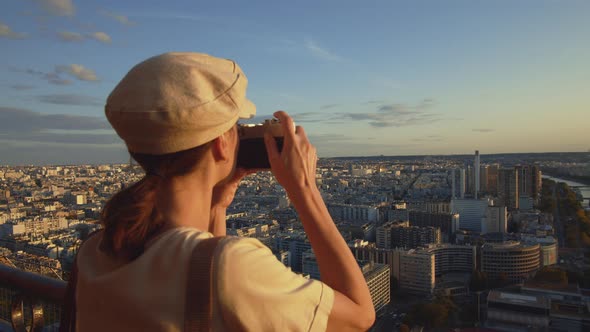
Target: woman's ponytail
130 217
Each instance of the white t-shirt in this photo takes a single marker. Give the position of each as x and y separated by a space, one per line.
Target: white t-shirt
253 291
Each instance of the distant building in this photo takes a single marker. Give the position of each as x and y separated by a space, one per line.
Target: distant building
477 176
355 213
450 258
483 178
471 212
508 189
430 206
512 260
496 220
447 222
492 179
378 279
514 310
310 265
417 272
401 235
462 183
296 244
549 248
525 203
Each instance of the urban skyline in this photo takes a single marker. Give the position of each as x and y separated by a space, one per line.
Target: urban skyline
390 79
425 232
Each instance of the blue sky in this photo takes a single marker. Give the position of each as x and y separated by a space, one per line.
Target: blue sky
363 78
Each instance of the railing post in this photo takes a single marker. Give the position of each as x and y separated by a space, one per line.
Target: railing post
18 314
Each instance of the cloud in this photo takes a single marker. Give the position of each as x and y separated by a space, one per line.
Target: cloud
384 115
320 52
51 153
57 7
22 87
117 17
18 120
395 115
429 138
31 137
325 107
52 78
70 99
330 145
68 36
78 71
101 37
483 130
6 32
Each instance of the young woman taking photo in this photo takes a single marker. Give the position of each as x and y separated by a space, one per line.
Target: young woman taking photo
177 113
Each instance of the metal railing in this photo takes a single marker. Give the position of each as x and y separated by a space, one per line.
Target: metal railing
28 301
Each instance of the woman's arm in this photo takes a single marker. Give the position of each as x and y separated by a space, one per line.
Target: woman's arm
295 169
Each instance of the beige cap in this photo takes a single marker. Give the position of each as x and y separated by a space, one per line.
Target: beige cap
177 101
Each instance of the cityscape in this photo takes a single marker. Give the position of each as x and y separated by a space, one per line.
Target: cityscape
498 241
452 150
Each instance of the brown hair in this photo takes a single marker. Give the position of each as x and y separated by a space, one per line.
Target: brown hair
130 217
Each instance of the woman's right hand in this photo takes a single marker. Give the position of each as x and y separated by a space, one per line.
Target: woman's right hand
295 166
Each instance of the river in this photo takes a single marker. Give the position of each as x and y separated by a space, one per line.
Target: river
585 191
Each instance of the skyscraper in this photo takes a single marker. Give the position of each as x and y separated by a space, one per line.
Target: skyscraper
453 183
483 179
508 188
462 184
476 168
492 186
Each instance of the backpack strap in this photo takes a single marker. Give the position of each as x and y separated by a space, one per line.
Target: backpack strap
199 286
68 312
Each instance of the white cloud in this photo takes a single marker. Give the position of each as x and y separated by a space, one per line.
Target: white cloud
70 36
77 71
117 17
6 32
57 7
101 37
320 52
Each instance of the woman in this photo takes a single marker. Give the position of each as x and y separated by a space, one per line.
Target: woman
177 114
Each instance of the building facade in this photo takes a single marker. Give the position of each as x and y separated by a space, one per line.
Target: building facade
512 260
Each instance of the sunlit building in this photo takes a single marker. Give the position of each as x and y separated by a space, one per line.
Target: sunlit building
512 260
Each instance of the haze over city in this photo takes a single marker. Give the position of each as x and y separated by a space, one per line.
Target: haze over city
384 78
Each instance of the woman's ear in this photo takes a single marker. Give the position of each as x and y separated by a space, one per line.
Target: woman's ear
220 148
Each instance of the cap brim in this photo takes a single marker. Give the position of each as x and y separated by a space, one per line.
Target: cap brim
248 110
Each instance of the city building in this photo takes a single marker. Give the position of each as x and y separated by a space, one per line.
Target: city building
476 175
508 190
512 260
450 258
296 244
447 222
401 235
549 248
510 310
492 179
417 272
355 213
496 220
471 212
310 265
378 279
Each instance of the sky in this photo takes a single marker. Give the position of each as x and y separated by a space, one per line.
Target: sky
363 78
